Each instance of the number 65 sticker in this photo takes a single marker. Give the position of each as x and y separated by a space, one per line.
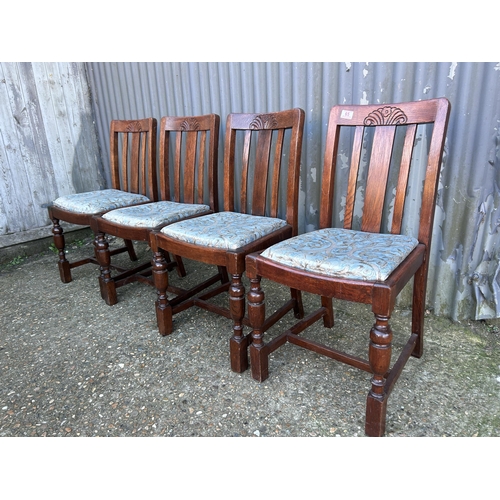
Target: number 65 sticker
346 114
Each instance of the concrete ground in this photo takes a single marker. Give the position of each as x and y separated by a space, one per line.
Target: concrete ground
72 366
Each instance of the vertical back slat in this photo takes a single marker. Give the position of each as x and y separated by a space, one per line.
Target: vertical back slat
177 167
164 164
152 167
114 162
404 171
353 177
134 162
190 166
245 160
276 174
329 171
229 156
261 172
201 163
376 182
124 179
143 169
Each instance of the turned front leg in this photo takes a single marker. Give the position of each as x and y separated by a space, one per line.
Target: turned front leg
103 256
60 244
164 315
238 343
380 359
257 314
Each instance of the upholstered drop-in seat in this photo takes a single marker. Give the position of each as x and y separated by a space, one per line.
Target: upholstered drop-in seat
344 253
94 202
225 230
152 215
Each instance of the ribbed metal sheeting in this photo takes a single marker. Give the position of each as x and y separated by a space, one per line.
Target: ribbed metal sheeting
464 279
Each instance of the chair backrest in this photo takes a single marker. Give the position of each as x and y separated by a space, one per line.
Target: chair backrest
189 152
388 149
258 164
133 156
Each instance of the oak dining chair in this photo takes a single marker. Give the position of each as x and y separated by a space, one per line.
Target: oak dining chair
394 154
133 181
262 153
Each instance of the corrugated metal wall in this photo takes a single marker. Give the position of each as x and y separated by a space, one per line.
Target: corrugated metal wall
49 146
464 272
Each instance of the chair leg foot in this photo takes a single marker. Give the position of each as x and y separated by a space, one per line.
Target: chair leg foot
108 291
376 410
259 361
418 351
64 271
164 319
238 348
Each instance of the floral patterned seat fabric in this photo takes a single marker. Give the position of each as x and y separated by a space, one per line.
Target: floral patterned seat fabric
94 202
225 230
154 214
344 253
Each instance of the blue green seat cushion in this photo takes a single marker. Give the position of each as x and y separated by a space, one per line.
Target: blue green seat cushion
223 230
344 253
